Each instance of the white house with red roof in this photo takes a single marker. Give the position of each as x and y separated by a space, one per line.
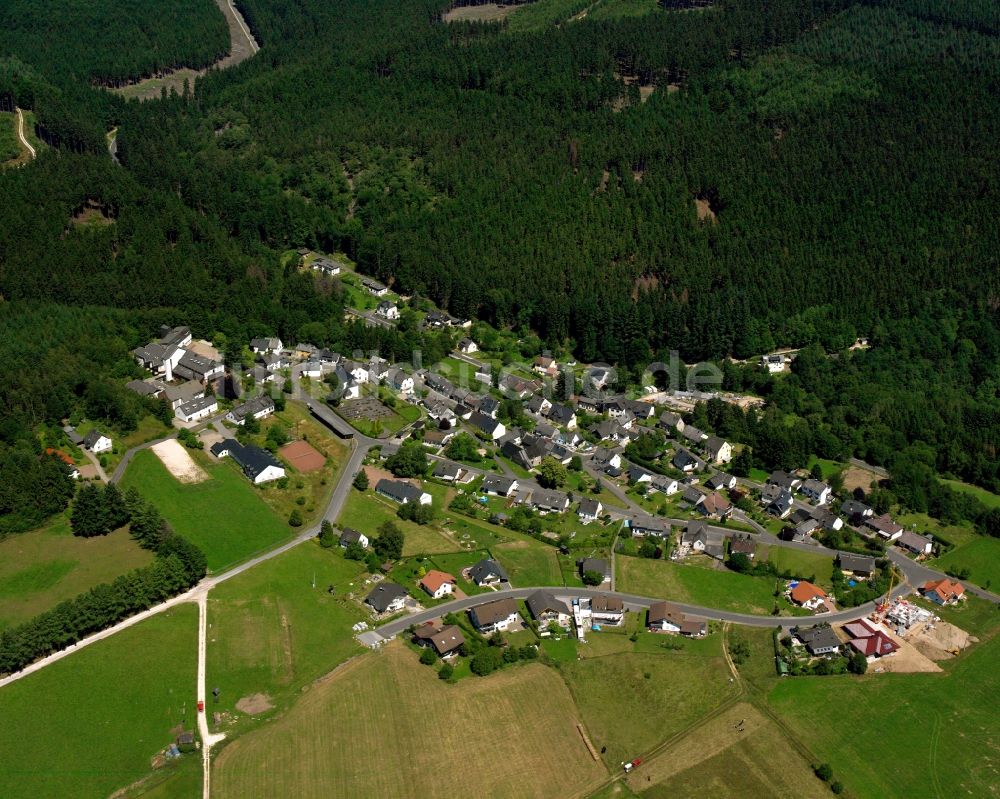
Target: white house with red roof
438 584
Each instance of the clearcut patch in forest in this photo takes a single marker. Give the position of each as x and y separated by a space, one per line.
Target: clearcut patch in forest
488 12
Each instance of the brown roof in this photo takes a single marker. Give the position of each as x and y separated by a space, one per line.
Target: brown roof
447 639
716 503
693 626
606 604
664 611
742 542
804 591
495 611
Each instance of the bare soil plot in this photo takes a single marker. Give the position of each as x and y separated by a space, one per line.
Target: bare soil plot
255 704
939 640
704 210
204 349
302 456
179 462
855 477
488 12
388 703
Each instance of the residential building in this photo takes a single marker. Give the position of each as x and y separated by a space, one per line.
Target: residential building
743 544
856 565
671 422
816 490
590 510
447 471
399 381
256 408
493 616
608 610
809 596
197 409
446 641
784 480
438 584
351 536
870 641
374 287
650 526
387 310
97 442
488 573
915 543
667 618
943 592
884 527
386 598
467 346
856 511
402 492
262 345
326 266
686 462
546 609
598 565
549 500
721 481
490 427
773 363
818 640
716 506
498 485
259 465
719 451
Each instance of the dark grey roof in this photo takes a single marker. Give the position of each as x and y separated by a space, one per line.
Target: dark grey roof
650 525
599 565
818 638
590 507
398 490
142 388
498 483
486 569
252 459
856 563
252 407
92 438
350 536
383 595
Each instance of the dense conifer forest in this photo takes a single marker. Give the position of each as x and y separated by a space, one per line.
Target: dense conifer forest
719 182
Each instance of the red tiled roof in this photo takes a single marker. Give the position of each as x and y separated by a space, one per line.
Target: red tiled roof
944 588
434 579
878 645
804 591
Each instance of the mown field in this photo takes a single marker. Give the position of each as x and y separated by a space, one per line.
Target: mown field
89 724
42 567
272 632
904 735
222 515
696 585
632 701
529 564
385 726
981 556
800 563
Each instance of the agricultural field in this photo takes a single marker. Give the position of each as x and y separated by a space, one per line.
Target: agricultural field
41 568
380 703
90 724
696 585
981 555
988 498
529 564
631 702
715 759
223 515
272 632
933 733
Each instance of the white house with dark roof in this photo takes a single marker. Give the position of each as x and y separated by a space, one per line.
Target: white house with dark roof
97 442
546 609
259 465
262 345
488 572
498 485
197 409
590 510
256 408
402 492
386 598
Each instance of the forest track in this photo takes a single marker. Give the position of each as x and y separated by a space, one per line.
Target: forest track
20 134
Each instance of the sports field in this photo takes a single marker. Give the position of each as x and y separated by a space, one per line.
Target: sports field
89 724
696 585
385 726
41 568
904 735
222 515
272 632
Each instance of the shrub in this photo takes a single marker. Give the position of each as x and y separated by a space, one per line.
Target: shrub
295 518
445 672
428 657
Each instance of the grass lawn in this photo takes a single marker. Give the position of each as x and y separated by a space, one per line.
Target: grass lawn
529 564
717 760
631 702
982 557
273 633
89 724
223 515
365 511
828 467
41 568
696 585
380 703
988 498
801 563
933 734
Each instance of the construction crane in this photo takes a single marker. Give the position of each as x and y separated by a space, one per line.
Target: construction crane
883 606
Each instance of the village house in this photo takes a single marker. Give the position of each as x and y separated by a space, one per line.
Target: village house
325 266
808 596
649 526
776 500
784 480
773 363
447 471
687 462
262 345
256 408
546 609
97 442
386 598
490 427
197 409
607 610
373 287
667 486
402 492
663 617
488 573
563 415
671 422
494 616
590 510
721 481
438 584
719 451
638 475
884 527
862 566
351 536
868 640
549 500
498 485
816 490
856 511
71 467
693 434
275 361
545 365
467 346
603 457
259 465
915 543
943 591
313 369
446 641
743 544
715 506
399 381
818 640
598 565
387 310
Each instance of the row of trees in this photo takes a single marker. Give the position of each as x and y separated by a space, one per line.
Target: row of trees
178 565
